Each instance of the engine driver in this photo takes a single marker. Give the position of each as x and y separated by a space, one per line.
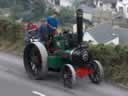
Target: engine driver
52 22
52 25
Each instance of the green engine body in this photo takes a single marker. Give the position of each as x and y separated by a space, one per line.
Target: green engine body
66 51
60 56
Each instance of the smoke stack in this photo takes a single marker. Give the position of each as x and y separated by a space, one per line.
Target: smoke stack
80 25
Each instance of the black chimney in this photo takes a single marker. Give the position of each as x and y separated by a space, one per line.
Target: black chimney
79 25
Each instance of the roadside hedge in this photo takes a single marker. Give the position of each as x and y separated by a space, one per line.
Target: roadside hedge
10 30
11 34
114 60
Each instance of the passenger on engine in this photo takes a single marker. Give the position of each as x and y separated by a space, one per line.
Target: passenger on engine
30 32
43 32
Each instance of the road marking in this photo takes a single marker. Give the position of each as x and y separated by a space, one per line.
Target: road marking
38 93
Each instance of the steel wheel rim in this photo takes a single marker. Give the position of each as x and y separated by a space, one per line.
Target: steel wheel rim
69 76
97 74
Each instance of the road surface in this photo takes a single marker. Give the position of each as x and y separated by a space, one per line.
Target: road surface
15 82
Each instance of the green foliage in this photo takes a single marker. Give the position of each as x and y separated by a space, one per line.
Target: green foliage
6 3
25 8
38 9
66 16
48 12
76 3
9 31
17 11
114 60
11 36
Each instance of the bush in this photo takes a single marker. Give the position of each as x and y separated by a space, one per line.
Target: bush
114 60
11 33
10 30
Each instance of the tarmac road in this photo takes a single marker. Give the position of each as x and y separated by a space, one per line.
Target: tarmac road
15 82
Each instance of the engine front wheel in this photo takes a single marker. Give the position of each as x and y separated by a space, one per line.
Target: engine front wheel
97 74
69 76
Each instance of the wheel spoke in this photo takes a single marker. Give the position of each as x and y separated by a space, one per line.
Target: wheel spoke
96 76
34 59
69 76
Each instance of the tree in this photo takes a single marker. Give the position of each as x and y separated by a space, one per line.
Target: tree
76 3
32 9
6 3
66 16
38 8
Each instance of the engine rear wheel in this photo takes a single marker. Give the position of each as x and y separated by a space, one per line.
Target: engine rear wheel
33 62
98 72
69 76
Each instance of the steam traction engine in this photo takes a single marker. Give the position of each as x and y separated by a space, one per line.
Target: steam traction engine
67 54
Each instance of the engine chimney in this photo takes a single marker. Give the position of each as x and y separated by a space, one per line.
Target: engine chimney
79 25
